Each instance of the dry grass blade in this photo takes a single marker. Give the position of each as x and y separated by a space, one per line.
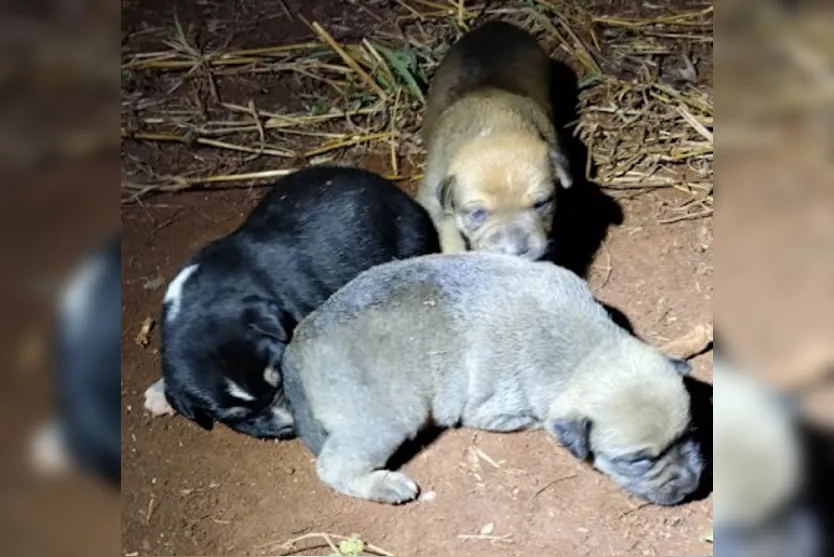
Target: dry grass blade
330 146
348 59
133 192
210 143
169 60
696 125
678 19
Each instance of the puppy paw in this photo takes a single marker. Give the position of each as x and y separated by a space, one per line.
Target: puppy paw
155 401
392 487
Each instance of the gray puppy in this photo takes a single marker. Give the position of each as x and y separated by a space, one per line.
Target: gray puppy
492 342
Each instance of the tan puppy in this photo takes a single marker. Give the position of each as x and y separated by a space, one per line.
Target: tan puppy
493 152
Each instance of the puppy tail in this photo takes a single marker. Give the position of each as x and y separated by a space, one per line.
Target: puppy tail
307 427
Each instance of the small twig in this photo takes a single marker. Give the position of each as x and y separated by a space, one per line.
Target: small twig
692 216
488 458
286 10
208 142
259 124
182 183
150 511
329 540
394 136
634 509
609 268
679 19
691 344
287 120
626 185
696 125
331 544
551 484
330 146
461 18
504 538
380 61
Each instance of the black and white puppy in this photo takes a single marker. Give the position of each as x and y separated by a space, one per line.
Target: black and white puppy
229 313
85 433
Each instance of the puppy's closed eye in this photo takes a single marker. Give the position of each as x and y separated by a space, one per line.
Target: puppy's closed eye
477 215
543 203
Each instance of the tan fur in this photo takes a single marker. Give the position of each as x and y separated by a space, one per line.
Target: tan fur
488 126
621 406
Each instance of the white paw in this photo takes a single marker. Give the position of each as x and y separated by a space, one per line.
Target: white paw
392 487
155 401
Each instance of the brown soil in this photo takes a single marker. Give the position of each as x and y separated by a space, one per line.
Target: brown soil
190 492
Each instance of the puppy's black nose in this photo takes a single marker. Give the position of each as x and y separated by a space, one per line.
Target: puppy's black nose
512 242
520 247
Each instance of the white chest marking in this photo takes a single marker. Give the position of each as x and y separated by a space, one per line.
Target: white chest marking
173 296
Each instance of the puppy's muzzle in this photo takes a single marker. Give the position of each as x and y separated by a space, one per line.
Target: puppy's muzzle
668 481
516 241
675 489
678 477
275 422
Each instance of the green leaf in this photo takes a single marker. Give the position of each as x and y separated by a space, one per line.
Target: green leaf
352 546
402 62
588 80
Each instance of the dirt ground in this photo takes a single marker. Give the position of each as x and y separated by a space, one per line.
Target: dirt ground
190 492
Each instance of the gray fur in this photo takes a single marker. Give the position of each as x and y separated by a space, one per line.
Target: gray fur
486 341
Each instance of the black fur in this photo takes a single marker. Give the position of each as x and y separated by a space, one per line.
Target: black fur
87 340
489 41
313 232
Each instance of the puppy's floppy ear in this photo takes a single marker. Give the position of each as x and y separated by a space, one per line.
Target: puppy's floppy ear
187 409
270 325
683 367
446 193
561 166
574 434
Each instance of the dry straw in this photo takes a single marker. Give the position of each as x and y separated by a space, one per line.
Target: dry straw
644 112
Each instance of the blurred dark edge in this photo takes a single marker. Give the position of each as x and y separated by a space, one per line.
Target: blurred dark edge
818 442
60 167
